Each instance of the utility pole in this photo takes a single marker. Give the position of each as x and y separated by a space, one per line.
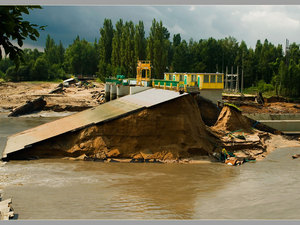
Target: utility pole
223 62
242 78
237 80
226 80
286 61
231 80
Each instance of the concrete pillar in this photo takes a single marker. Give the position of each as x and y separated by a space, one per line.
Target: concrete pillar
122 91
113 91
107 92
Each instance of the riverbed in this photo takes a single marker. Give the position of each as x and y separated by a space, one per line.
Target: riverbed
62 189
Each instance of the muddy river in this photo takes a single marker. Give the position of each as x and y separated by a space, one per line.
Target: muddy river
62 189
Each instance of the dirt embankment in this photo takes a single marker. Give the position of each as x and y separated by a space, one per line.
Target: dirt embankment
273 108
169 131
237 135
13 95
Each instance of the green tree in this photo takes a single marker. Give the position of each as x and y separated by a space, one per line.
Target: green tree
128 59
5 64
40 69
14 27
81 57
181 57
116 49
54 53
105 48
140 42
157 48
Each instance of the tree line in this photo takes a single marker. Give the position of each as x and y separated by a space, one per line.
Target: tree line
118 48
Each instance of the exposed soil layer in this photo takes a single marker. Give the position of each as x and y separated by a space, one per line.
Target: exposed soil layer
209 111
272 108
13 95
169 131
236 135
231 119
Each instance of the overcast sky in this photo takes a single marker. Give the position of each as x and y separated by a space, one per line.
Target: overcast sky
248 23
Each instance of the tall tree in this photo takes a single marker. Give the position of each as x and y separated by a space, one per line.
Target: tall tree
157 48
181 57
116 48
140 41
105 47
80 57
128 59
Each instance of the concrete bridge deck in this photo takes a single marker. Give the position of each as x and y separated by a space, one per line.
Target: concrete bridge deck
286 123
100 114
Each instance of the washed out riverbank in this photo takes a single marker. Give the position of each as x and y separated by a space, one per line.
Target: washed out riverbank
73 98
171 132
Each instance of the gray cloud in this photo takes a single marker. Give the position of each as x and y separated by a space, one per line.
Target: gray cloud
248 23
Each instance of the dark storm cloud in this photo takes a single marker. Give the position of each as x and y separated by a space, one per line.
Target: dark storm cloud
248 23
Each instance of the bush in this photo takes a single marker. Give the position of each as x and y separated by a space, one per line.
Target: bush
264 87
2 75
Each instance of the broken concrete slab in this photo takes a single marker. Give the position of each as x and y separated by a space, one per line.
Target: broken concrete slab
29 107
101 114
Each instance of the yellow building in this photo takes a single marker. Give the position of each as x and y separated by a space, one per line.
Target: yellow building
143 72
202 80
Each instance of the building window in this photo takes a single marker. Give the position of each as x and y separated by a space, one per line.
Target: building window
219 79
193 78
212 78
180 77
206 79
170 77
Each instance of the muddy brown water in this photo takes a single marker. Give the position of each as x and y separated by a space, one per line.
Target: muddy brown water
61 189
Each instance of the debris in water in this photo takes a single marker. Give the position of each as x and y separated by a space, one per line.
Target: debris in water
6 211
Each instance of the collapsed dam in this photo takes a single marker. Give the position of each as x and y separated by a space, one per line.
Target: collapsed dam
162 124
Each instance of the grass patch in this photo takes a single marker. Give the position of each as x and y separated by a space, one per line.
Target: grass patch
233 106
251 90
98 80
